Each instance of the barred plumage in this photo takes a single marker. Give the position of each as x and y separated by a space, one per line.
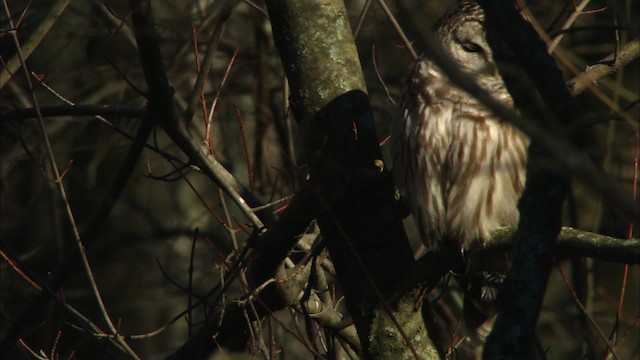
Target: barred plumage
459 167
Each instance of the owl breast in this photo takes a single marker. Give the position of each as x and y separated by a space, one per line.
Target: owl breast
460 169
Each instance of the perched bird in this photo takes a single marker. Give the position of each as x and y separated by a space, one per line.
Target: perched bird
460 168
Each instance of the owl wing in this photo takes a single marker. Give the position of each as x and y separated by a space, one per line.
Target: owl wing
420 140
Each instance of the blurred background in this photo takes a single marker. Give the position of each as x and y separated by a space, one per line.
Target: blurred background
89 57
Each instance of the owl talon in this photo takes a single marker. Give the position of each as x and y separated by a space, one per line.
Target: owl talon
484 290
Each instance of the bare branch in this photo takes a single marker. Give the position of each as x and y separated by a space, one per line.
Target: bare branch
224 9
27 48
604 67
74 110
540 206
577 243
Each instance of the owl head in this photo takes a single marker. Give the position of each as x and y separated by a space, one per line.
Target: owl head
463 35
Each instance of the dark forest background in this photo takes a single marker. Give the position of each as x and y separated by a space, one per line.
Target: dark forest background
173 233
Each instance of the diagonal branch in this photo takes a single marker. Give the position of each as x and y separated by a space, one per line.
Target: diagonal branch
172 122
568 155
604 67
36 37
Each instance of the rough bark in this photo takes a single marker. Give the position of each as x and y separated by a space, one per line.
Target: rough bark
359 220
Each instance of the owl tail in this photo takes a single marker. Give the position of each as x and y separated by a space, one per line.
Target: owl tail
481 301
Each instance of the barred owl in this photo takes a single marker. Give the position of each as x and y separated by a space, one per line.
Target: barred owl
460 168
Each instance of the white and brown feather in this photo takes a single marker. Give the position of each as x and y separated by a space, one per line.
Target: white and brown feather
460 168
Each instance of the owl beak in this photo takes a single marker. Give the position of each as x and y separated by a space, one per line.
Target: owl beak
496 73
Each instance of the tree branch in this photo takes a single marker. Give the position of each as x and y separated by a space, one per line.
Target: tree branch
515 44
604 67
173 123
576 243
359 220
75 110
162 108
38 34
224 9
270 248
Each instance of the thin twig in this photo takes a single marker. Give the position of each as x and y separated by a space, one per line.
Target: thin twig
38 34
204 203
212 111
190 283
203 99
118 21
63 193
273 203
212 46
564 59
19 271
32 352
288 122
262 11
567 24
243 130
363 15
74 110
584 310
375 67
398 29
232 232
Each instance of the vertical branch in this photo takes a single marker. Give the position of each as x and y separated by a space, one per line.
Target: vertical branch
359 218
212 46
540 206
243 131
214 103
263 113
319 64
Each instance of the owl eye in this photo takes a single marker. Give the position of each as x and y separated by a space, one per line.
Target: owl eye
471 47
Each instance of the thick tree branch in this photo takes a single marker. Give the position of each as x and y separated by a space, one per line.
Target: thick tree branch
576 243
360 221
269 250
516 44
